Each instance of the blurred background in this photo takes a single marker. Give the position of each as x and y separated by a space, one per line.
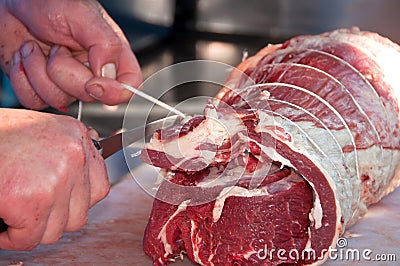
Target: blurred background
164 32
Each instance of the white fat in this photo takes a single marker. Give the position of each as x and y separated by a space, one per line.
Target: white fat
186 146
210 258
308 244
389 61
234 191
215 179
248 254
268 127
196 242
268 124
375 162
162 235
316 213
213 130
164 174
343 170
271 153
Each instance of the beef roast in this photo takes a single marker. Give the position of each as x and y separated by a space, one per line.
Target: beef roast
274 171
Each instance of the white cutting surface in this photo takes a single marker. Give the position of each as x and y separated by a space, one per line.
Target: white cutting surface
113 235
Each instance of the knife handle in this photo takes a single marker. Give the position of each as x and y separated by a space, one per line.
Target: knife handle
97 145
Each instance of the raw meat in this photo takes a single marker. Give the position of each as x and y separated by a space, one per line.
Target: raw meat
277 168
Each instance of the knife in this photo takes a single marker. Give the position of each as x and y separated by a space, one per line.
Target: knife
113 144
109 146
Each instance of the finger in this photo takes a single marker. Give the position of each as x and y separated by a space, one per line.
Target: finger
97 36
35 65
129 71
21 239
93 187
24 231
98 177
68 73
58 218
79 204
93 134
26 95
110 92
14 33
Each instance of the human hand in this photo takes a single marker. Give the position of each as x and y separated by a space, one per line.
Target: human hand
50 175
44 45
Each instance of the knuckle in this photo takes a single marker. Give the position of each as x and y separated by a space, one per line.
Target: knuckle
51 239
104 190
54 68
100 187
26 245
77 224
58 98
34 102
100 193
29 247
72 160
35 105
76 155
114 43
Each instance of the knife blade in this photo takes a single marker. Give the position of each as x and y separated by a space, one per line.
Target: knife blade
110 145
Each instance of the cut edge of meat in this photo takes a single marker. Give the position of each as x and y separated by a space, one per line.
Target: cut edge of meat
326 222
318 245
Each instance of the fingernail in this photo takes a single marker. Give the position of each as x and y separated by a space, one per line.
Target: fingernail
26 49
54 49
126 94
95 91
109 71
16 58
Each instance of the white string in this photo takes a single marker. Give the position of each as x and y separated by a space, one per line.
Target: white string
80 107
153 100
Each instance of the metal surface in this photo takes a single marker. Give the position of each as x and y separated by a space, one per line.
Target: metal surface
285 18
113 144
273 18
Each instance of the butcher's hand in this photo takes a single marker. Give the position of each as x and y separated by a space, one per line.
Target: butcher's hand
50 175
58 51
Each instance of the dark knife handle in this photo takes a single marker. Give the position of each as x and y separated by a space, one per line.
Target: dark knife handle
98 146
3 226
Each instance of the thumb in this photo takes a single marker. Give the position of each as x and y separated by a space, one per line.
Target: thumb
100 36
